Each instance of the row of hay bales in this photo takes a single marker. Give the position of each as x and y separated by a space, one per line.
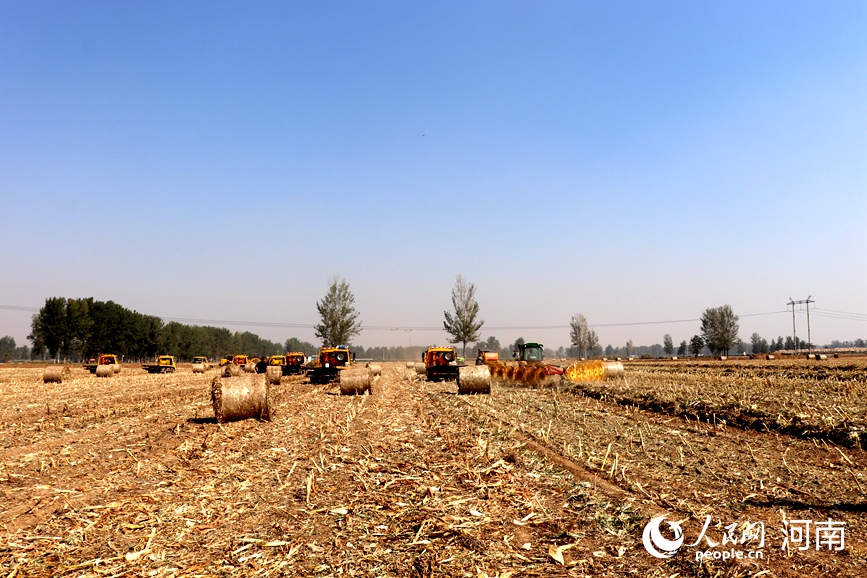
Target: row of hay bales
61 373
237 396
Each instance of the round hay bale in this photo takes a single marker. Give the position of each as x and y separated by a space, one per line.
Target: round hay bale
116 367
811 356
231 370
250 368
241 397
420 369
613 369
769 357
821 356
375 369
474 379
55 374
198 368
410 364
104 370
354 381
274 374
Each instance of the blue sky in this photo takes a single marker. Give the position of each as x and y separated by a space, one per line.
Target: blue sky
630 161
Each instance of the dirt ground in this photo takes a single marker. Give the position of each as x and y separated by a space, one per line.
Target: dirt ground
132 476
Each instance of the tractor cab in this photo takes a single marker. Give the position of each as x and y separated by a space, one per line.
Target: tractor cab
529 352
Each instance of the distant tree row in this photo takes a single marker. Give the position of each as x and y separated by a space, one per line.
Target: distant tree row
9 351
81 328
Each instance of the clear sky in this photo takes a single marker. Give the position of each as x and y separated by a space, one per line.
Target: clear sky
631 161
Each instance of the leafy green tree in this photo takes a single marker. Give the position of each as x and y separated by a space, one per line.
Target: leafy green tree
696 344
48 328
719 328
78 326
463 325
758 344
681 351
339 317
295 344
667 344
7 349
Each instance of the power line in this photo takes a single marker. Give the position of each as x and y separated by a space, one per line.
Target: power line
407 327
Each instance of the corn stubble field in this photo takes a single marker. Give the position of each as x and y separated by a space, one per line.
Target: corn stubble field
132 476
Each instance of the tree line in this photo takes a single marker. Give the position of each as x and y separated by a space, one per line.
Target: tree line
77 329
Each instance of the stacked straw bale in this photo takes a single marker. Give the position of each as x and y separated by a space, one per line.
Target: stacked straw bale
375 369
241 397
474 379
56 374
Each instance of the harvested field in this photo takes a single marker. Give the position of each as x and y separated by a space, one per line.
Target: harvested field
133 476
824 400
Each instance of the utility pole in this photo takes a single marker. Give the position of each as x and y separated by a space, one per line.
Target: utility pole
806 302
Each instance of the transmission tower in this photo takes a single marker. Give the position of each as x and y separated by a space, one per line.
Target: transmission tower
806 302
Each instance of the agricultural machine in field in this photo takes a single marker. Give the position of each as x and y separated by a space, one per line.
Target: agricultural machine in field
441 363
164 364
103 365
335 364
201 364
487 357
529 368
330 362
294 363
529 352
226 360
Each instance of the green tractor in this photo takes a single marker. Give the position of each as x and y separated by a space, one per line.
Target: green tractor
529 352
